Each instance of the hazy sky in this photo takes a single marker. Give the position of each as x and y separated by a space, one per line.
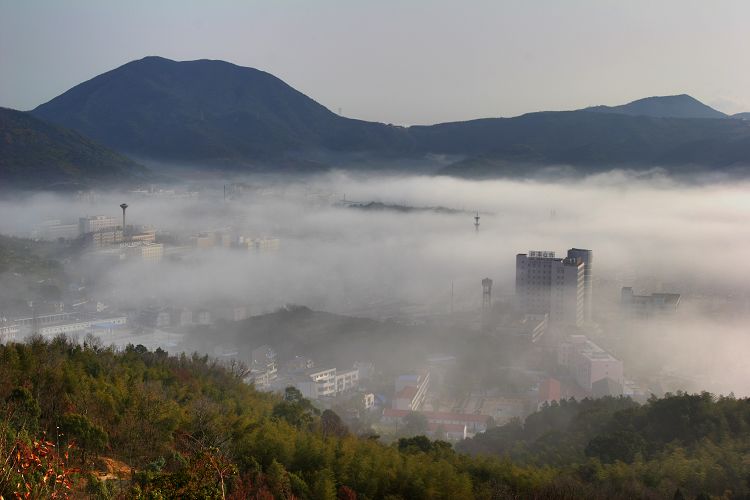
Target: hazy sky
399 61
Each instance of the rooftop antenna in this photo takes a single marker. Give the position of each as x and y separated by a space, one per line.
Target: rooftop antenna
476 222
123 206
34 321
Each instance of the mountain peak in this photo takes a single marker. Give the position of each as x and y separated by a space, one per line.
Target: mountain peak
670 106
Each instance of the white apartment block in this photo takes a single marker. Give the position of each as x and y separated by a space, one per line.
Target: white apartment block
318 383
347 380
147 252
546 284
53 229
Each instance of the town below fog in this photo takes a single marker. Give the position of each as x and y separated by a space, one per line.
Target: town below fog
407 305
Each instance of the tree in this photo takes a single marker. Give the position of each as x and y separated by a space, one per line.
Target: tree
88 436
621 445
22 410
414 423
414 444
278 480
295 409
346 493
331 425
324 486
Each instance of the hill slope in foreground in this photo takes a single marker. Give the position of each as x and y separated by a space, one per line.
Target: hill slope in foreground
187 427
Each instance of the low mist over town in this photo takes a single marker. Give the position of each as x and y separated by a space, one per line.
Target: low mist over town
214 286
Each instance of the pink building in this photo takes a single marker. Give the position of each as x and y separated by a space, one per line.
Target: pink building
589 363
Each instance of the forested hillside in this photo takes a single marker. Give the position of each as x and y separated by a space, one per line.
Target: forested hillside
697 442
35 154
88 421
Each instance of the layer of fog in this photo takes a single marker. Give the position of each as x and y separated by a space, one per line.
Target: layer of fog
651 233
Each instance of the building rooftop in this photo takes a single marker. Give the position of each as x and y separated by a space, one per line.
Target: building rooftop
432 427
407 392
439 415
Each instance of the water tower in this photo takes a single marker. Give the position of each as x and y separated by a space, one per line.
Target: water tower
123 206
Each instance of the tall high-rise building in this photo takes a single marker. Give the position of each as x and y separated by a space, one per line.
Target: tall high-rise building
546 284
587 257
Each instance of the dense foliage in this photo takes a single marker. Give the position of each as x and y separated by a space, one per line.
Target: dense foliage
87 420
187 427
697 442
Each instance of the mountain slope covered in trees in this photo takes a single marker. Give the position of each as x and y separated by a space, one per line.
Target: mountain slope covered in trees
37 154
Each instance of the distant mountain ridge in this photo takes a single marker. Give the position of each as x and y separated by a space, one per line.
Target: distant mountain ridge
206 110
36 154
672 106
216 113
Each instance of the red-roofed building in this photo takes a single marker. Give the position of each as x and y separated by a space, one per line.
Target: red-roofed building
411 391
451 432
405 399
473 422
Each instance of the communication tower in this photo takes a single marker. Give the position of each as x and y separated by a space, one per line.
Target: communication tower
486 294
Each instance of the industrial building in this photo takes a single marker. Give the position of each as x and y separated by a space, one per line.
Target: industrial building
474 423
50 325
646 306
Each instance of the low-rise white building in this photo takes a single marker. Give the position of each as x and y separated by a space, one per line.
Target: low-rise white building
95 223
317 383
80 326
8 331
145 251
263 367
